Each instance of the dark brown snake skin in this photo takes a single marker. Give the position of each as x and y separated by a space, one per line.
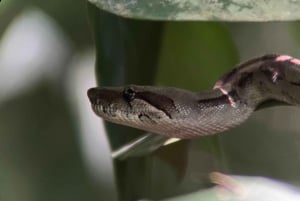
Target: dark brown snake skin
184 114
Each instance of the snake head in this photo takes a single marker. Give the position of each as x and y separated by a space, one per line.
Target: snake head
137 106
165 111
143 101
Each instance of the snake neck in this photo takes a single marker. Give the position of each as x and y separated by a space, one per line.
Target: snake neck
267 80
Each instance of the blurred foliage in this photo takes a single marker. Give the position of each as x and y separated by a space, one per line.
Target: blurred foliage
40 158
71 17
39 149
238 188
40 155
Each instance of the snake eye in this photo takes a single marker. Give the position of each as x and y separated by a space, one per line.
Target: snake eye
129 94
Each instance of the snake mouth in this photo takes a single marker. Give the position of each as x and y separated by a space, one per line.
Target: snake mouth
109 112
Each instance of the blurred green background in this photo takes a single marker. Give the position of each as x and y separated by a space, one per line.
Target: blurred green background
53 147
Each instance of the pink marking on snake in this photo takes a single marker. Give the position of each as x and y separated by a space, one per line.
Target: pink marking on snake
283 58
288 58
230 99
295 61
218 84
223 91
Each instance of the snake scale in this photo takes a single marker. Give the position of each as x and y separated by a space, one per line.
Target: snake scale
179 113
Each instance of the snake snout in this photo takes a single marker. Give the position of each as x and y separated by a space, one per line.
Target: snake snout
92 94
105 95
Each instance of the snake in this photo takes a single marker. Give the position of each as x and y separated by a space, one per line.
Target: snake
261 82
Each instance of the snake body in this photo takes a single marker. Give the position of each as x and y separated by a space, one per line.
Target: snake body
180 113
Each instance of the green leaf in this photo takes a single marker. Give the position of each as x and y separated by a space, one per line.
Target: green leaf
219 10
126 53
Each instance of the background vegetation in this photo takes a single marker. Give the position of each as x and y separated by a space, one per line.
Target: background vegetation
53 147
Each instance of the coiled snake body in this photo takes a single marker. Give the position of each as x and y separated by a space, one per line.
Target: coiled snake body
183 114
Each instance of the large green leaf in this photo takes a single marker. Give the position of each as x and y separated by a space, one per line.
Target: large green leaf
220 10
126 52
